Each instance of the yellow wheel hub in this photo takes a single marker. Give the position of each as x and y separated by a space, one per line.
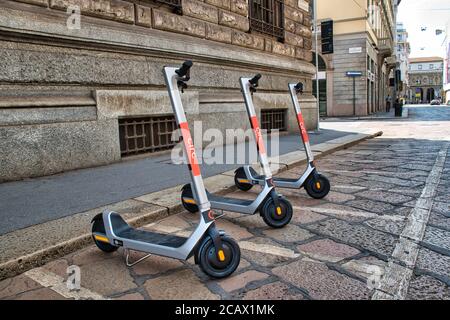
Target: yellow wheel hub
221 255
279 211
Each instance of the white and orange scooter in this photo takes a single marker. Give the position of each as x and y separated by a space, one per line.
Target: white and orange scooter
217 254
316 184
275 210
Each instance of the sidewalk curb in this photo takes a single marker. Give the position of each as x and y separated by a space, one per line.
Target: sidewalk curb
168 203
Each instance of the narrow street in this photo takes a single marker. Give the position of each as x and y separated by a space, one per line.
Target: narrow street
382 233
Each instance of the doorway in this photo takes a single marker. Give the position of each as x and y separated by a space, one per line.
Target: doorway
430 95
322 85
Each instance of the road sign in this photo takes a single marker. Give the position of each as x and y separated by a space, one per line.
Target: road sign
354 74
355 50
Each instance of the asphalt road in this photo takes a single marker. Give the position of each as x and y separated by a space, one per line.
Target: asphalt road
34 201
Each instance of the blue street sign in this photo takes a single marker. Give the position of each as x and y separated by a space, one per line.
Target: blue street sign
354 74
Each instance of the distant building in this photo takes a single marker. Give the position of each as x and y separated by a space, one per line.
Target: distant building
426 79
364 33
403 52
447 66
447 75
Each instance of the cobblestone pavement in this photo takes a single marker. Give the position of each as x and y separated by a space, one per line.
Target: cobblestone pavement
382 233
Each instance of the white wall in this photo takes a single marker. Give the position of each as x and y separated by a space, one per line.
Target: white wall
426 66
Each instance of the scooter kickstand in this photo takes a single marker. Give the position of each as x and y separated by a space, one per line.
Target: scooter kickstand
127 259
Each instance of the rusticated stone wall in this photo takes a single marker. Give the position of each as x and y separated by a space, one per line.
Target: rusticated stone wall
62 91
223 21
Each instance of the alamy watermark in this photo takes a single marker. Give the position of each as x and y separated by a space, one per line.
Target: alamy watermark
73 22
229 147
375 275
73 282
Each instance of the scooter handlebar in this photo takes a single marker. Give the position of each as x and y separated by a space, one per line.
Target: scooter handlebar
254 81
185 68
299 88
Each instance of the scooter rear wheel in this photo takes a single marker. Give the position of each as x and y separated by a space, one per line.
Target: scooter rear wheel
240 175
188 194
209 262
99 227
274 219
318 186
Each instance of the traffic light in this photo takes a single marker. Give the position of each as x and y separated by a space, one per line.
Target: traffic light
326 28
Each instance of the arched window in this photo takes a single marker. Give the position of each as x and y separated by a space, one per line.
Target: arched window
322 64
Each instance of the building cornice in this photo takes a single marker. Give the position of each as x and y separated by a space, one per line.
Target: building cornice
51 28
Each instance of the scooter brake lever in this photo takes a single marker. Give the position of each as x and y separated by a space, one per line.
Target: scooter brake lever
183 85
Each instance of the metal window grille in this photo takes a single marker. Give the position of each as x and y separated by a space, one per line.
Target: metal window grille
146 135
175 4
267 16
273 120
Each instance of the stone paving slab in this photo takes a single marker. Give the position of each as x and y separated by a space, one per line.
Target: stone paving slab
428 288
322 283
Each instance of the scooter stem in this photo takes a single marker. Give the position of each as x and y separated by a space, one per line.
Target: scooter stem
247 87
173 77
301 122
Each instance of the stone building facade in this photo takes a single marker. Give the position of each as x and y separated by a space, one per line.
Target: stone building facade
75 97
403 49
364 42
426 79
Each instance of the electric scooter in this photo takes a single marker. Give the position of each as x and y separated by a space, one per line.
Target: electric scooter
316 184
275 210
217 254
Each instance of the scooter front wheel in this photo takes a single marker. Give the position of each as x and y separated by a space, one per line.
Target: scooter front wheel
240 179
318 186
209 262
277 217
187 199
98 227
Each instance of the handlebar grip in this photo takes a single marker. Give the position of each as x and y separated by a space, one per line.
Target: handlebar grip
299 87
254 81
184 70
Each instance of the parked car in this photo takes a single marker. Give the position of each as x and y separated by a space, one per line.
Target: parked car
436 102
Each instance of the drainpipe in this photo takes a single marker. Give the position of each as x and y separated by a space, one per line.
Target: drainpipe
316 31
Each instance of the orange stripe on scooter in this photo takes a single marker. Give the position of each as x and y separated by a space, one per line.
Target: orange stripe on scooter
258 134
190 148
301 123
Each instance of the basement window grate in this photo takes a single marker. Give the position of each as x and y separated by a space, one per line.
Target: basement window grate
175 4
146 135
274 119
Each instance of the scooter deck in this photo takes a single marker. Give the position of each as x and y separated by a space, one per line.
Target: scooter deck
123 230
260 177
287 180
231 201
